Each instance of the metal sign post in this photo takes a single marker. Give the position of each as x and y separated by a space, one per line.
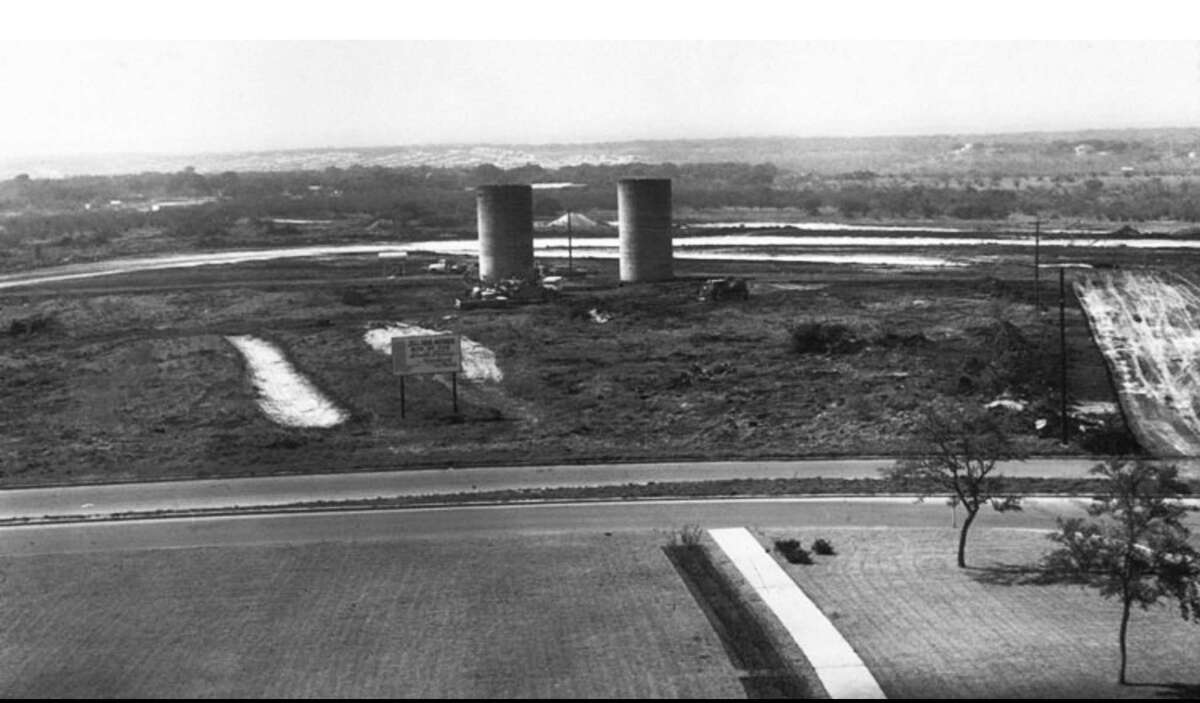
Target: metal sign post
570 254
392 263
1037 264
1062 345
427 354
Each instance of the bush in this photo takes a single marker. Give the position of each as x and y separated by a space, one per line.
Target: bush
824 338
823 547
357 297
792 551
689 535
1108 436
31 325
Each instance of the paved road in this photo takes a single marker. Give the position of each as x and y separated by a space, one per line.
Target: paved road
112 267
538 518
588 247
283 490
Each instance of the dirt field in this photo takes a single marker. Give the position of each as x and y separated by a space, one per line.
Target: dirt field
928 629
507 617
128 377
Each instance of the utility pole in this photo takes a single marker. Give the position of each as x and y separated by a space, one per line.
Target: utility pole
1062 345
1037 263
570 249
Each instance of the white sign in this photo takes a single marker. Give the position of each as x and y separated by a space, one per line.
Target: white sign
429 353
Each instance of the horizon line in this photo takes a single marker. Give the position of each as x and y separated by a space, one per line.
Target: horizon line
594 142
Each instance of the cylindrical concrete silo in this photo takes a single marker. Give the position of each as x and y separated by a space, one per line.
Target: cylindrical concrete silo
644 211
505 231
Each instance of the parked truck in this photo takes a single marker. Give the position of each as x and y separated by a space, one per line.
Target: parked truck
446 266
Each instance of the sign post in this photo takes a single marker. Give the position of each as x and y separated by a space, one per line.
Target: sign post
1037 264
570 258
427 354
1062 345
392 263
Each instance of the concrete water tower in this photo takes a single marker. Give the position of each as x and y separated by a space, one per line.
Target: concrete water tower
505 215
644 212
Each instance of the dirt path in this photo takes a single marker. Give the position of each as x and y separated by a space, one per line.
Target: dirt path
285 396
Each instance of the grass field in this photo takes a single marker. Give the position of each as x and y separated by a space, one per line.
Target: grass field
928 629
130 378
509 617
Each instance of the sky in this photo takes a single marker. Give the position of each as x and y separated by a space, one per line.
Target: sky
106 88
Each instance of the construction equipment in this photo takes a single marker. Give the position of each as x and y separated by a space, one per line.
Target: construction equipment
718 289
446 266
509 291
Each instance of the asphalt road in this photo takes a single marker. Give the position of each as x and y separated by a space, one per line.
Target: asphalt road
107 499
511 519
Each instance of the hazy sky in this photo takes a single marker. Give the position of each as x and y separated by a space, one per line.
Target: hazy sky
189 96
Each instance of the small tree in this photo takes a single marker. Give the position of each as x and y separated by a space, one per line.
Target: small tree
958 452
1135 545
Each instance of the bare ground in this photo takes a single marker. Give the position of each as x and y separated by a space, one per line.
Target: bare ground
129 378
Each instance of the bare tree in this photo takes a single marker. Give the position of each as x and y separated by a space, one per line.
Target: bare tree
958 452
1134 546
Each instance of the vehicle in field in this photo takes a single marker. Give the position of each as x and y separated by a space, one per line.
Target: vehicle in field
718 289
446 266
510 291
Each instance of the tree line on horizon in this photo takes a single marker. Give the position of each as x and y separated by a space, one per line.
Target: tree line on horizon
421 197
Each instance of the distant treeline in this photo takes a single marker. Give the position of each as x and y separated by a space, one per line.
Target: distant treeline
421 198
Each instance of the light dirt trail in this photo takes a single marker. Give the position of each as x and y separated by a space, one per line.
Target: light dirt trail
285 395
1147 324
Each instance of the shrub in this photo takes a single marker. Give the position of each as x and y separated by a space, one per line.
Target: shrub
31 325
792 551
1108 436
824 338
799 556
823 547
689 535
356 297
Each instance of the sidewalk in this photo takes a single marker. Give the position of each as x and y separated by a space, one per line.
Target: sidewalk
838 666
